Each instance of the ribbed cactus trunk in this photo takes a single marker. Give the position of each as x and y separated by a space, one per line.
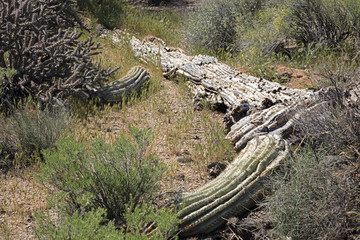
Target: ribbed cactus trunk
260 114
236 190
116 90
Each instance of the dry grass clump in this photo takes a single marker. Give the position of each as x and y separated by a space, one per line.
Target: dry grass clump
27 131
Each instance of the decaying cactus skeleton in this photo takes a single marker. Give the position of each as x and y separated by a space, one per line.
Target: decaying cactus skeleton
260 115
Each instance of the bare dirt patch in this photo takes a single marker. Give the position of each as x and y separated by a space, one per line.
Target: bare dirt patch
297 78
20 197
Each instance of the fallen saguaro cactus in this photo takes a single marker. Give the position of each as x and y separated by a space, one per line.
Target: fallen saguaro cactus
260 115
116 90
234 191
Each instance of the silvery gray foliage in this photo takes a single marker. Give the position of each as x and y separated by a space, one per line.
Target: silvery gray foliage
213 24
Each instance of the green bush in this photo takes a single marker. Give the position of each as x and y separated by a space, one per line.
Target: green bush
28 131
143 220
262 36
213 25
104 175
328 22
89 225
107 12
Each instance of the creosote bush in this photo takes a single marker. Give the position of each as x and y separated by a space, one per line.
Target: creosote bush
142 222
104 175
213 25
107 12
89 225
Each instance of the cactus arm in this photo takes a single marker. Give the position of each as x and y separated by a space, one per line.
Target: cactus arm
115 91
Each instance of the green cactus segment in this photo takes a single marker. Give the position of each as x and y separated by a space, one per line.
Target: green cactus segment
114 91
236 190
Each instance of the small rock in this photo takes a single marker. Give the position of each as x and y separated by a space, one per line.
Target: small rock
232 222
184 159
215 168
180 177
196 137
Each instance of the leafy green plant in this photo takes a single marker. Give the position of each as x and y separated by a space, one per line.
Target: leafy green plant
104 175
107 12
6 73
89 225
144 222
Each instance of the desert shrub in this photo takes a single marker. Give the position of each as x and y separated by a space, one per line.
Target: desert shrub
161 223
39 40
107 12
104 175
158 2
328 22
311 199
262 38
28 131
213 25
89 225
142 222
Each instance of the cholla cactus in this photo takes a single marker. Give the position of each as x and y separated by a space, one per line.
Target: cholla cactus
40 41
